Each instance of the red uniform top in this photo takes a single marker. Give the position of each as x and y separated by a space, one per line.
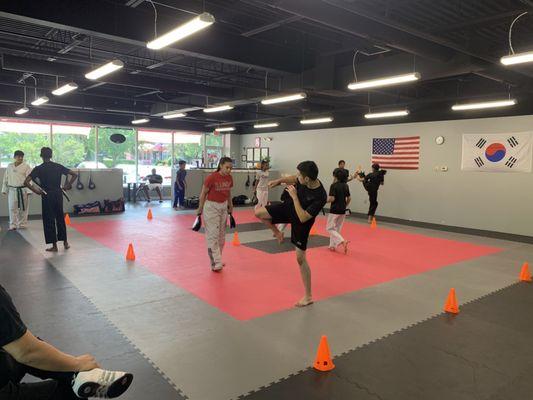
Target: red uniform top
219 187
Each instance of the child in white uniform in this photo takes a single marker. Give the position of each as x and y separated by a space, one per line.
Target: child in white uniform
261 184
13 187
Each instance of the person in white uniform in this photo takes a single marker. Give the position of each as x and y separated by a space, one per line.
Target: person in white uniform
261 184
18 196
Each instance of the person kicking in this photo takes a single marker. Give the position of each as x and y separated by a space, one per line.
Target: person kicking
306 197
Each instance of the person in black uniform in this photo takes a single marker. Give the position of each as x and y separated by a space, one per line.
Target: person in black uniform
371 183
65 377
48 176
303 199
339 197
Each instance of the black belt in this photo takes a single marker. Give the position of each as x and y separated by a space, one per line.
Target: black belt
20 197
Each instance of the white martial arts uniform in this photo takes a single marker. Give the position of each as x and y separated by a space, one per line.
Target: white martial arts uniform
262 188
334 226
18 199
215 217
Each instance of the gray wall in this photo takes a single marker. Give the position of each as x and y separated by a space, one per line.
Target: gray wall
501 202
108 186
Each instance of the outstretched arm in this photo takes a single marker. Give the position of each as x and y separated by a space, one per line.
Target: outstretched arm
288 180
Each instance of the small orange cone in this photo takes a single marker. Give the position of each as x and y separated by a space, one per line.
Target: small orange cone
451 303
130 255
323 360
313 231
67 219
525 275
236 241
149 215
374 224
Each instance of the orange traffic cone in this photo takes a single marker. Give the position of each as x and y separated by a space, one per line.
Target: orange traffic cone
130 255
374 224
323 360
313 231
67 219
451 303
236 241
525 275
149 215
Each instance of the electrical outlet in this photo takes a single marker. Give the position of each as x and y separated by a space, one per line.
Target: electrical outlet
444 168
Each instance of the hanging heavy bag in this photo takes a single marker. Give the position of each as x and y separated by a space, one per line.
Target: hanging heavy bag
79 185
91 184
247 184
197 223
232 223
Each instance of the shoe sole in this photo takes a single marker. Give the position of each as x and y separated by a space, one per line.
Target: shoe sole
116 389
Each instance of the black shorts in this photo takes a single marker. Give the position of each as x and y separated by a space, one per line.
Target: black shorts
284 213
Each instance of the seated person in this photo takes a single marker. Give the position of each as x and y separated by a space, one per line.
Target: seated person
65 377
154 183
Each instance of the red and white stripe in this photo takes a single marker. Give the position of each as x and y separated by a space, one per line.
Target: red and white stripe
406 154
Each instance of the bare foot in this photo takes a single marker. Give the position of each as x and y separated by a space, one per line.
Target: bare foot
66 245
305 301
345 246
331 248
279 237
52 249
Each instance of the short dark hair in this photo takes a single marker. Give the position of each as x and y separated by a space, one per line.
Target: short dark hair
182 162
18 153
341 161
308 169
223 161
376 167
341 175
46 152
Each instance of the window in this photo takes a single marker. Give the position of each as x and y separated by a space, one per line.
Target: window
74 145
26 136
213 150
117 155
188 147
155 152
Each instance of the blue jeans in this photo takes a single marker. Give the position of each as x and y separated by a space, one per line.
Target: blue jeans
179 196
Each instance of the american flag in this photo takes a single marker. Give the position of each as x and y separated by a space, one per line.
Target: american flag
396 153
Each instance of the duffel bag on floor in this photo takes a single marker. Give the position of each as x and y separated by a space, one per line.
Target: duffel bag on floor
88 208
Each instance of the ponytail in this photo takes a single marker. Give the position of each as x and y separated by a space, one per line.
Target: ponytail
223 161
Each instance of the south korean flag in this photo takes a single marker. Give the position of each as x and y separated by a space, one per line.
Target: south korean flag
497 153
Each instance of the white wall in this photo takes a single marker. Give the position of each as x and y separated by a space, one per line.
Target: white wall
501 202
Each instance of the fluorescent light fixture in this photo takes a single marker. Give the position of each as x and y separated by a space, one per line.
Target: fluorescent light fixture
316 120
391 80
174 115
22 110
519 58
487 104
269 125
69 87
284 99
226 129
218 108
202 21
140 121
388 114
39 101
105 69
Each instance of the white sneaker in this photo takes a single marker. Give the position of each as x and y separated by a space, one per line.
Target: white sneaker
101 383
